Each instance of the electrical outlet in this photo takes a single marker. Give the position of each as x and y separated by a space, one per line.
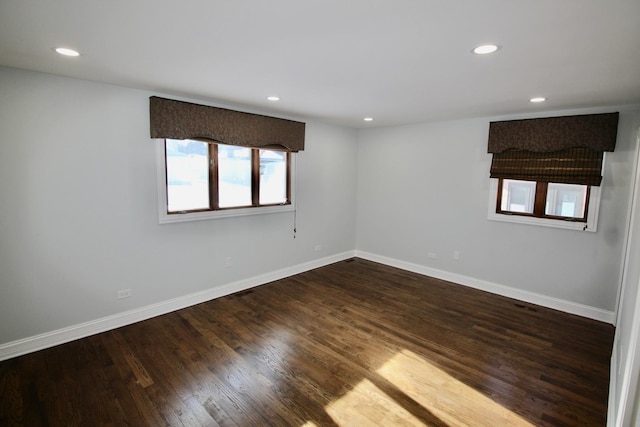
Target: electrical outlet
228 262
124 293
317 248
456 255
432 255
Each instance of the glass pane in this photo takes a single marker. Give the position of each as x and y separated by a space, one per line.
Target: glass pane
518 196
187 175
566 200
234 176
273 177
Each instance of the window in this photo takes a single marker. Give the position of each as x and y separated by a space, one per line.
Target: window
548 171
555 189
567 206
213 162
200 180
568 202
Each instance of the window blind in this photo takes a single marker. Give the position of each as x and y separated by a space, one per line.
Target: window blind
572 166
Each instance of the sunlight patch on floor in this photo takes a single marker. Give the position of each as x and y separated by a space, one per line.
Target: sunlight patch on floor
367 405
449 399
445 399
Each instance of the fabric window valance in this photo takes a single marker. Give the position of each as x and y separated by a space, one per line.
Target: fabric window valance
545 135
183 120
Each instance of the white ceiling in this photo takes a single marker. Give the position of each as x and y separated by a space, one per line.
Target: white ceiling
399 61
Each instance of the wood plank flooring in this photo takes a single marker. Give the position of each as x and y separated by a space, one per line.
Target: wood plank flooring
352 344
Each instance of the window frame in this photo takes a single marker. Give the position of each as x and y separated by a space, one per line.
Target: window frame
540 203
165 217
592 211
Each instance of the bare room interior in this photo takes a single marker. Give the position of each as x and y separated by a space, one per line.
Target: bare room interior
316 214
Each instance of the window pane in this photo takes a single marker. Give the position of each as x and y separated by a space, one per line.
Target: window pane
566 200
234 176
518 196
187 175
273 177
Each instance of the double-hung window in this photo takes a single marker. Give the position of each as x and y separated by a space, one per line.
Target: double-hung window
548 171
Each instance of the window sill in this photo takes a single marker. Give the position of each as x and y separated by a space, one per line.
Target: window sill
165 218
592 218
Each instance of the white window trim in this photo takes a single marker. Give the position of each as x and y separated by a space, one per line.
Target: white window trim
166 218
592 213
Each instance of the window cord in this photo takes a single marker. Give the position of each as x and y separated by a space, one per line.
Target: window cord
295 204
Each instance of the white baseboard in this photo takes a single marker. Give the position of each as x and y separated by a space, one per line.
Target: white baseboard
71 333
530 297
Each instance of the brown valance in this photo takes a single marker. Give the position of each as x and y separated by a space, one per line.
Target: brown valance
183 120
571 166
594 131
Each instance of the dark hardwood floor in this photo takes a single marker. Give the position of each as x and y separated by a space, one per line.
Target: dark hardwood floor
352 344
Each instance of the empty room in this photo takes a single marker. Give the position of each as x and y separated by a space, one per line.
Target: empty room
287 213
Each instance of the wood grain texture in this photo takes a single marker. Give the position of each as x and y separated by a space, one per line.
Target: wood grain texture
352 344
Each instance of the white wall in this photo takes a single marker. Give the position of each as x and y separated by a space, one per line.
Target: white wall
424 188
79 220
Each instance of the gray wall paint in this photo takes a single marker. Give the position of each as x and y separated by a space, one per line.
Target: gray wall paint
424 188
79 220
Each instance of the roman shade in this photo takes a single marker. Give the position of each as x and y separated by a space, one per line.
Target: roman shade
571 166
566 150
183 120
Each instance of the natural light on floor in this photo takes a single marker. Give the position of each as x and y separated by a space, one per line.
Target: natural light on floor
445 399
367 405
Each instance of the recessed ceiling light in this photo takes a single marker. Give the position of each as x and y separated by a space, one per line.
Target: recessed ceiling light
66 51
485 49
273 98
538 99
368 119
